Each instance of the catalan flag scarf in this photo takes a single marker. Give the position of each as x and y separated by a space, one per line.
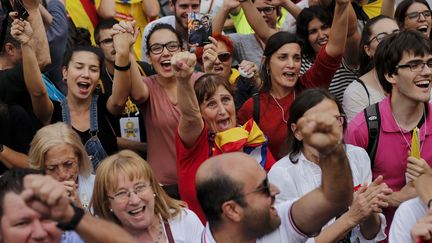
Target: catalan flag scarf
248 138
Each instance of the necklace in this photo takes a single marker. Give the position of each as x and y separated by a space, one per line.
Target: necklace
160 232
406 140
109 75
281 108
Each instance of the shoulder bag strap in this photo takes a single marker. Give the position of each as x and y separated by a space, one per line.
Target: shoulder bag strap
373 121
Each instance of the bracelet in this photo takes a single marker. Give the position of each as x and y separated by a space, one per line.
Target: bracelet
429 203
123 68
73 223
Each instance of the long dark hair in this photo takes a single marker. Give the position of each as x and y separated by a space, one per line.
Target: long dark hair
303 20
402 8
305 101
275 42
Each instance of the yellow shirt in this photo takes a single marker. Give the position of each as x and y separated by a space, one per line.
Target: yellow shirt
130 11
80 17
243 27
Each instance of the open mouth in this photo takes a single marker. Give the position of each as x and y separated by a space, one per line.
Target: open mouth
423 28
137 211
289 75
218 69
322 42
166 65
83 86
224 124
423 84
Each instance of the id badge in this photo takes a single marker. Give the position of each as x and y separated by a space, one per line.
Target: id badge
129 128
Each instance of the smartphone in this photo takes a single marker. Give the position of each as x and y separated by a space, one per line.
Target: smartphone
19 8
199 29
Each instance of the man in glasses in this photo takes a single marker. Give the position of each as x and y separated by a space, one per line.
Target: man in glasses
403 63
238 200
179 21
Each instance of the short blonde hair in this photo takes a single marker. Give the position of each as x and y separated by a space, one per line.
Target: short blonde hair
134 167
55 134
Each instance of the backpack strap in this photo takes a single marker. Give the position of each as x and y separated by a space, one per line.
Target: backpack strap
373 121
365 88
256 107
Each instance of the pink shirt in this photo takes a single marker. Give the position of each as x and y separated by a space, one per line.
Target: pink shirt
161 117
392 150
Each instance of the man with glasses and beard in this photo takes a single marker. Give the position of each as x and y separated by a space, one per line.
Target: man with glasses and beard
237 198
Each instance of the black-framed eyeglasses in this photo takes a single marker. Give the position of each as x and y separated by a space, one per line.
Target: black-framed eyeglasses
264 188
381 36
171 46
416 66
416 15
266 10
224 56
106 42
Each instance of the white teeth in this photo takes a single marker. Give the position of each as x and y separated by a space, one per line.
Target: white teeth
166 62
136 211
422 28
423 82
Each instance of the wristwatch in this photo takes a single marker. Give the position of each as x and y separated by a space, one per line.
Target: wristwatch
76 218
1 147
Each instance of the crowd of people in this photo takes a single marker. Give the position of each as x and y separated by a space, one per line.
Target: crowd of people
294 121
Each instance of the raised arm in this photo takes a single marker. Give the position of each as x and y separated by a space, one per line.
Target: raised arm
312 211
339 30
151 8
256 21
106 9
123 37
229 6
351 53
39 37
49 198
388 8
291 7
12 158
191 123
42 105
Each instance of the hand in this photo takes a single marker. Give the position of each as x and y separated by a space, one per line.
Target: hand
422 230
183 64
210 55
31 4
249 67
124 36
21 30
369 200
416 167
275 3
322 131
407 192
71 190
230 4
47 196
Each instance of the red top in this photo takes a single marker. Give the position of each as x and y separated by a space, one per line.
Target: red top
188 162
271 122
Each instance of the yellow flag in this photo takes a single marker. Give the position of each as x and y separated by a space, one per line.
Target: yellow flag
415 144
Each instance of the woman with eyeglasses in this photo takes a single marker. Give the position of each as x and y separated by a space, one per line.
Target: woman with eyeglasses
127 193
159 104
367 90
58 150
83 108
282 80
414 15
299 172
216 58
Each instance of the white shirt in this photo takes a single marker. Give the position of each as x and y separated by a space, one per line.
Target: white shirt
85 189
405 218
296 180
286 232
290 22
186 227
